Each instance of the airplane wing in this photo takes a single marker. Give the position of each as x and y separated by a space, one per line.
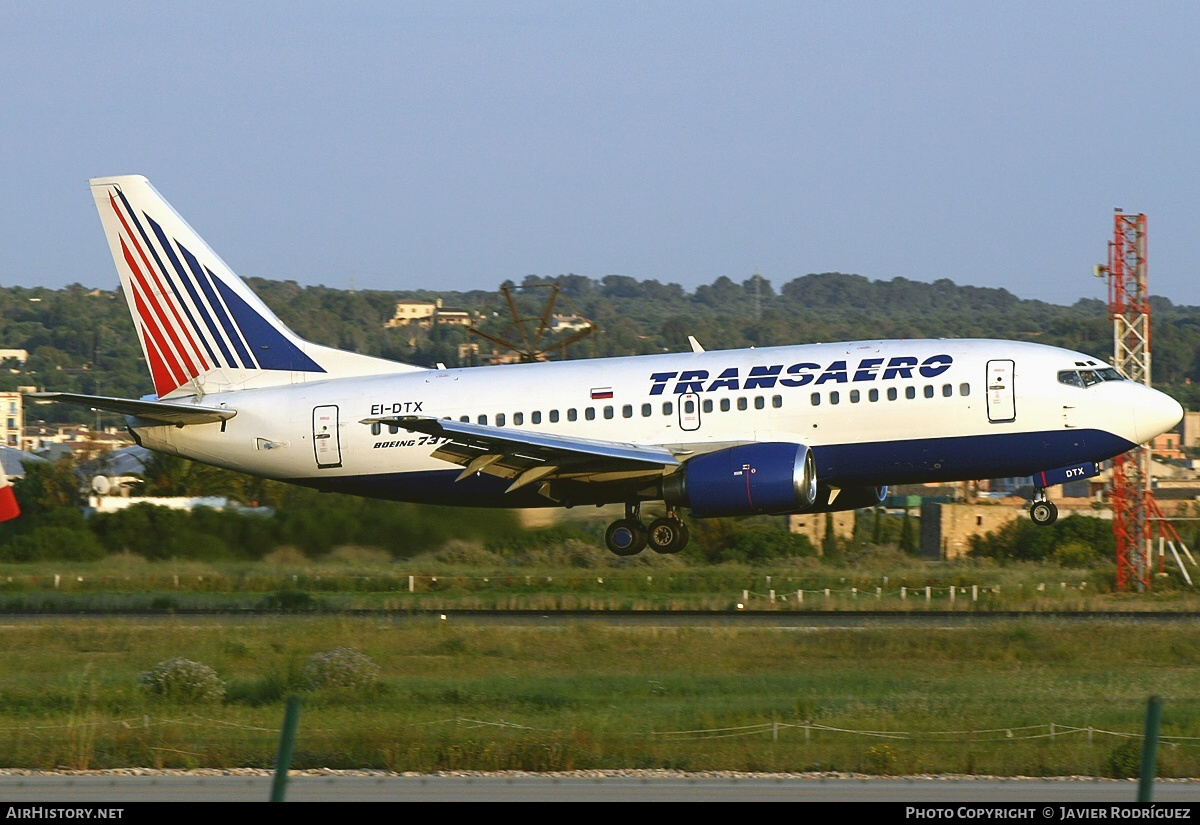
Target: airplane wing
164 411
527 457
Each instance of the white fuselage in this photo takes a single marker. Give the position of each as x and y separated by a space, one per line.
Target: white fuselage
872 412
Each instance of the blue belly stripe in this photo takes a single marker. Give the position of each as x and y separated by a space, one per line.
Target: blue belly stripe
841 465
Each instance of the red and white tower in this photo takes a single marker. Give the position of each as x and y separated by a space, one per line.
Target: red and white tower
1129 310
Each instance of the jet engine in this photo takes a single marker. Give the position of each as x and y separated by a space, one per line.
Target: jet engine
771 477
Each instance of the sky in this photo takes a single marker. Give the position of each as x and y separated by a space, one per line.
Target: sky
455 145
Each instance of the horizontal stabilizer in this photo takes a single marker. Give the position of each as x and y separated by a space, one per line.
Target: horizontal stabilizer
166 412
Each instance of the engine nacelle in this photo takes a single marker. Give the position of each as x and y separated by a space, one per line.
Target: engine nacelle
751 479
849 498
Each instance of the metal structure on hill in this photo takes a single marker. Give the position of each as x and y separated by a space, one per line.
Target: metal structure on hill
1135 512
531 338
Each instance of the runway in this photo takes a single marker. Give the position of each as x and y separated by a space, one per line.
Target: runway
113 790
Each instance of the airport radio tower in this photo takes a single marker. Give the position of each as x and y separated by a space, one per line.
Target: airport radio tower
1132 502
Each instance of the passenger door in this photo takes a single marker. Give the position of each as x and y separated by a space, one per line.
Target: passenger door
327 445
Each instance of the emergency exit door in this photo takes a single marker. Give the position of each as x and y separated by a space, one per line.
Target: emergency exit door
326 443
1001 395
689 412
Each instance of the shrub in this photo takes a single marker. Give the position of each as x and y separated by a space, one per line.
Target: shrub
53 544
1125 760
342 667
182 680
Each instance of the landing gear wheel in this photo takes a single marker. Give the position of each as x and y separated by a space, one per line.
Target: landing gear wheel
625 537
1043 513
667 535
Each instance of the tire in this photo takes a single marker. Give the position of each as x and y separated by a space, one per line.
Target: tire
1043 513
625 537
667 535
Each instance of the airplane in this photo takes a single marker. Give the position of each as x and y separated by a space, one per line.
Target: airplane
792 429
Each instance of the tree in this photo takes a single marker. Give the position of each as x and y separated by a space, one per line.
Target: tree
47 486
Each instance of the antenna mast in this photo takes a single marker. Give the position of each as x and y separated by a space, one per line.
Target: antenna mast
1129 310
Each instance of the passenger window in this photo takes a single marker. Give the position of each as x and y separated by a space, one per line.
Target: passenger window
741 404
872 395
706 405
646 410
910 393
724 405
668 408
759 402
466 419
535 417
393 428
481 419
554 416
518 419
608 412
929 390
499 419
947 390
572 414
776 401
854 396
815 398
964 389
376 428
834 397
590 413
891 393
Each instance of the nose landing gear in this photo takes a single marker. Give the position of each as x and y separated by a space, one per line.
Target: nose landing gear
1042 512
628 536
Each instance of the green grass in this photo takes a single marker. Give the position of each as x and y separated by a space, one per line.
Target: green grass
651 583
457 695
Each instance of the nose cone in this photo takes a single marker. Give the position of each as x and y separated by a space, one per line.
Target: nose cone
1155 413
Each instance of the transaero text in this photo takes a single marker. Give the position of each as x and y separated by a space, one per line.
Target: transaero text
798 375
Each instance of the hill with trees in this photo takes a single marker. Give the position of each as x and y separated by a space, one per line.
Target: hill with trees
80 339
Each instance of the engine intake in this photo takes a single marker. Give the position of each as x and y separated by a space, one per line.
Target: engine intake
772 477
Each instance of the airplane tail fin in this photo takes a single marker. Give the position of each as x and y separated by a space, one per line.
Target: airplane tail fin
202 329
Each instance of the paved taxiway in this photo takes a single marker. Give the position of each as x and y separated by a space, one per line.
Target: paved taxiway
633 786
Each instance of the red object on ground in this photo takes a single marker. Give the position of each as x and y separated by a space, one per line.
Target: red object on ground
8 503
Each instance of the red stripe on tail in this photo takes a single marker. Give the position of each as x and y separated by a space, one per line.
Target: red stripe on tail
164 379
160 322
154 273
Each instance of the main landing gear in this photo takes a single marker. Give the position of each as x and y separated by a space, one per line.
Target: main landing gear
1042 512
628 536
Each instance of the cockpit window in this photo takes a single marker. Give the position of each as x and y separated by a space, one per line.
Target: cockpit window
1087 378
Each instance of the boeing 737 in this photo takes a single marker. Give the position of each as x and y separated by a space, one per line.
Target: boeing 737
794 429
